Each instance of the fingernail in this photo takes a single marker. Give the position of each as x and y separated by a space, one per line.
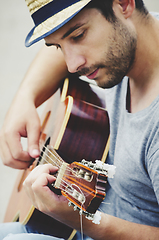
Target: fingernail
35 153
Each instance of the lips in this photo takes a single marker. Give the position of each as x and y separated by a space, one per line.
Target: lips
93 74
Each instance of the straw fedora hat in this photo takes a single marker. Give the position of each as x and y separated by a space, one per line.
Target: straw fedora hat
50 15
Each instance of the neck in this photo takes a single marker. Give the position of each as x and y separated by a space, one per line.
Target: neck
144 75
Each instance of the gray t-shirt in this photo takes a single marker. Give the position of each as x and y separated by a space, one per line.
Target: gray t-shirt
134 150
133 194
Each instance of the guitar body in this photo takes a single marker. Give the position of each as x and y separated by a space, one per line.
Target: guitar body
76 124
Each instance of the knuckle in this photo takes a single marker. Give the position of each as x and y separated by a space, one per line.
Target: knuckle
7 131
9 162
35 187
16 154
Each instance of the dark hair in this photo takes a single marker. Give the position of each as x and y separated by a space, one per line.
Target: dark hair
105 6
141 6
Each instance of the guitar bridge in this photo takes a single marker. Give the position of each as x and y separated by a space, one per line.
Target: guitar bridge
60 175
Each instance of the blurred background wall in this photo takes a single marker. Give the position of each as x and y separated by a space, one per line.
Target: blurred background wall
15 58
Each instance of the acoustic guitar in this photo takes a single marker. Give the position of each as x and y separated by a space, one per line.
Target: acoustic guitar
75 126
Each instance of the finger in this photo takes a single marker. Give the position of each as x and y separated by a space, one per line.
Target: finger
14 162
14 144
36 184
40 186
29 191
33 133
8 160
39 170
45 199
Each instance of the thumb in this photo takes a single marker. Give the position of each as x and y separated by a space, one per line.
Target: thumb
33 131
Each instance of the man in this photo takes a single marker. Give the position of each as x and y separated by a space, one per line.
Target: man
105 41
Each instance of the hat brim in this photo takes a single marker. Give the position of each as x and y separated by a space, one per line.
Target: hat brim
54 22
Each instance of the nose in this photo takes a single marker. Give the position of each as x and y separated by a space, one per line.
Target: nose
75 60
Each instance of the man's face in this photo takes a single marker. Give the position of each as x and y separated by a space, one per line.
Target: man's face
96 48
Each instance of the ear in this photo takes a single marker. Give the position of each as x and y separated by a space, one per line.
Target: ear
127 7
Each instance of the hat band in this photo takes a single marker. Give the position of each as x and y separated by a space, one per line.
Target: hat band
49 10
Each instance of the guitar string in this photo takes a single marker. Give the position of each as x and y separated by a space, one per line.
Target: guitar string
57 157
60 160
81 223
55 154
67 169
58 165
55 163
77 199
71 185
63 183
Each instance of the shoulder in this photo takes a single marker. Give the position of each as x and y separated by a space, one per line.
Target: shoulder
155 14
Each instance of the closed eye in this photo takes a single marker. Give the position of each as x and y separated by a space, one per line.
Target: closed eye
49 44
52 44
78 37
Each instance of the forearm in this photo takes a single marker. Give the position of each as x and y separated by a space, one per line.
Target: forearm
112 228
43 76
40 82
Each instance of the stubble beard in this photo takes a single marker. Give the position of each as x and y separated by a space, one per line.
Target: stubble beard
119 59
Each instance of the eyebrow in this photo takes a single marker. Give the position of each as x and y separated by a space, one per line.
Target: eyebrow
72 29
